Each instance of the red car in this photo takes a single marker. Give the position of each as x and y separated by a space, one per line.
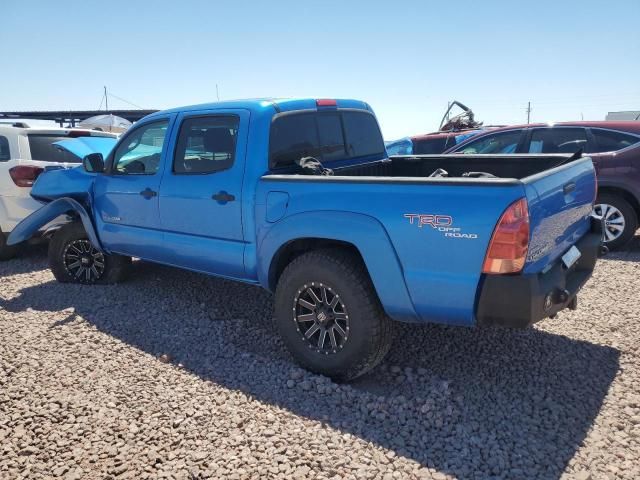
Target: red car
613 146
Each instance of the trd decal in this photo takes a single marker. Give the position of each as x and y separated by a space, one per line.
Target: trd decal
433 221
441 223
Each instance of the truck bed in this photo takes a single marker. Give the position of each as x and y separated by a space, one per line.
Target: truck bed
441 258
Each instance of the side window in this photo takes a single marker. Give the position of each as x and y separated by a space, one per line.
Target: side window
4 149
206 144
610 141
557 140
140 152
363 134
505 142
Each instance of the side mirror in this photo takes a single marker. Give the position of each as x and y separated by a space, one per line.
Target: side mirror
93 163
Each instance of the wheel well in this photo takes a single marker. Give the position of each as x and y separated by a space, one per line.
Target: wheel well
289 251
629 197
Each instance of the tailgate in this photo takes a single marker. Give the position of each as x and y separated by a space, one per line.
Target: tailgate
560 203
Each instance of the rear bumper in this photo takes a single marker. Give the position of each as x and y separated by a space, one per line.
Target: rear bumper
522 300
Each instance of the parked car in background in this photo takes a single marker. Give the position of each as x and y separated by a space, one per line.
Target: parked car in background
452 131
24 154
614 148
429 143
224 189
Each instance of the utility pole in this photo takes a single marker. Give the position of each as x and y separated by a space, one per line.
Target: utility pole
106 99
528 112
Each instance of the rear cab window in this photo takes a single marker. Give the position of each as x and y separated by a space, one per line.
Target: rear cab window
328 136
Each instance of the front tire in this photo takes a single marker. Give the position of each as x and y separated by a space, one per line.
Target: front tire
620 219
73 259
329 315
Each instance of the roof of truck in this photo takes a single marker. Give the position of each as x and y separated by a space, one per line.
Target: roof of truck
262 104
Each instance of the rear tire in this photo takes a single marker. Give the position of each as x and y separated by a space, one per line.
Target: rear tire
7 252
619 214
73 259
362 332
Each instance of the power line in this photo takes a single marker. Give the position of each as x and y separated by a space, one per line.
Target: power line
125 101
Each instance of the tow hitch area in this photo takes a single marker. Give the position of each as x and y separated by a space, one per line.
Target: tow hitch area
521 300
572 305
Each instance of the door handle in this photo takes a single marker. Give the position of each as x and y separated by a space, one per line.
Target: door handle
223 197
148 193
568 188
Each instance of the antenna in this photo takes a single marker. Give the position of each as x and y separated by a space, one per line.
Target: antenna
528 112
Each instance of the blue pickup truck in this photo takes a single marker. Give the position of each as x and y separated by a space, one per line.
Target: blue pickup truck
346 247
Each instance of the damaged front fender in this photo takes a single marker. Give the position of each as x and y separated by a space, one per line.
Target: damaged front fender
38 219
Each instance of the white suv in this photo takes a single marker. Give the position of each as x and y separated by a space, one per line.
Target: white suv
24 154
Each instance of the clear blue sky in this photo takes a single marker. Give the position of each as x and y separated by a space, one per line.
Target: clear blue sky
406 58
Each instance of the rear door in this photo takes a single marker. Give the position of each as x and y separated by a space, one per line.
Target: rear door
126 196
201 194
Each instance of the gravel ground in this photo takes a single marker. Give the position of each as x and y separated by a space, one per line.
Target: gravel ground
176 375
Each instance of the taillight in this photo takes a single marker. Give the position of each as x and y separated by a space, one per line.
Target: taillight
25 175
507 251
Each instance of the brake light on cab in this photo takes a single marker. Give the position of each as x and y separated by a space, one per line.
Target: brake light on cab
326 102
25 175
509 244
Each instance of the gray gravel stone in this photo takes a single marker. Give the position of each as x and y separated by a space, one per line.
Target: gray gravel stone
176 375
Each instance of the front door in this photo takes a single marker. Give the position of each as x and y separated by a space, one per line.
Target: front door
201 192
126 196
